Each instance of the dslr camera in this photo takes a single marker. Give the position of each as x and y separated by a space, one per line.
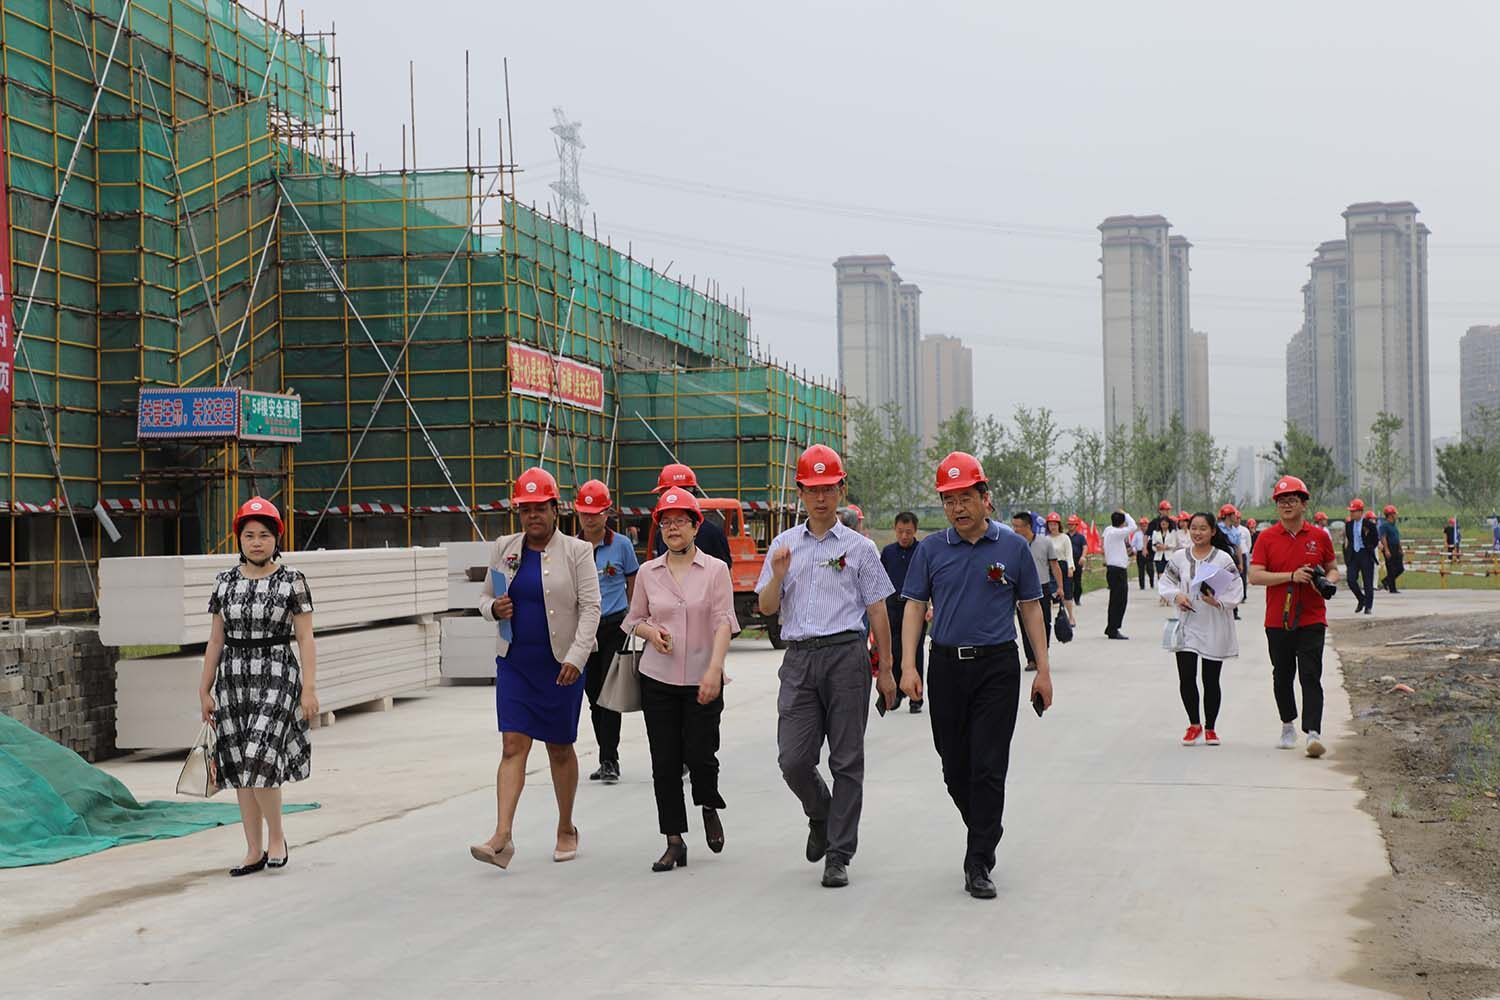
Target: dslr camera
1320 580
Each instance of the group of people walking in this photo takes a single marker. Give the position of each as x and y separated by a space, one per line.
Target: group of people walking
565 606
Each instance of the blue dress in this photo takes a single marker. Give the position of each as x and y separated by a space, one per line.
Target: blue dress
528 698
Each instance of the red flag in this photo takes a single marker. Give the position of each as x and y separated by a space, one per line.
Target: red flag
1096 546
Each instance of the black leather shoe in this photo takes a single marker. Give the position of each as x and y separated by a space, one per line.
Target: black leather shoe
676 857
915 708
713 829
977 883
1117 635
281 861
250 869
835 874
817 839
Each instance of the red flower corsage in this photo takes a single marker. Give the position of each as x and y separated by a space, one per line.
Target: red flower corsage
610 569
837 563
512 561
995 572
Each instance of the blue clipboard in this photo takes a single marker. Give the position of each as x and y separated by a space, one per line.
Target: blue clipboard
498 584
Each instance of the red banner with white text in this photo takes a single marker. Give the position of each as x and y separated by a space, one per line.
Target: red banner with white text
7 314
537 373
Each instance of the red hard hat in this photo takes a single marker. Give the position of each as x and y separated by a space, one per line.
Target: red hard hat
1289 484
258 508
1227 509
1055 516
1074 519
1164 505
854 509
1250 523
1356 504
1183 515
1390 508
1320 516
675 475
1452 520
820 465
1143 520
1369 515
534 486
679 500
959 471
593 498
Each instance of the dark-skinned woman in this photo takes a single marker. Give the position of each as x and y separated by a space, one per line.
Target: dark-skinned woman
547 615
683 606
252 685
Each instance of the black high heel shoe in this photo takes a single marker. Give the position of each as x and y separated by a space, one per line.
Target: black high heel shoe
281 861
676 857
250 869
713 829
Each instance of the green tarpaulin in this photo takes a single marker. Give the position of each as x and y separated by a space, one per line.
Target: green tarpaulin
54 805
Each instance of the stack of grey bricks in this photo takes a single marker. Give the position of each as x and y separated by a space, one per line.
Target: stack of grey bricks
60 681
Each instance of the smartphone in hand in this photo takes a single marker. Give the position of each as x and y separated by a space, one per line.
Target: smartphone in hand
1037 704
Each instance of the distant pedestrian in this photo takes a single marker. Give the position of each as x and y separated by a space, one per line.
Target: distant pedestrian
896 558
1080 540
259 697
1062 551
551 602
1145 555
1320 520
615 559
1047 571
1208 632
1495 532
975 573
1116 562
1239 543
1163 537
1361 540
824 580
1453 540
711 536
1283 561
684 609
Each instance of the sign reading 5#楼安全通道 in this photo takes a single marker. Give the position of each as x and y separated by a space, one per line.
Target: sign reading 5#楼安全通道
267 416
188 413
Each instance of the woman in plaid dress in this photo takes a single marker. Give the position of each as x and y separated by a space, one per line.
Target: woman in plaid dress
253 687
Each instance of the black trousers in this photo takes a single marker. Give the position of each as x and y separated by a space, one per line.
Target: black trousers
1078 583
1360 568
681 731
1119 594
895 612
1145 570
1297 655
1187 683
973 713
1046 603
1394 567
606 723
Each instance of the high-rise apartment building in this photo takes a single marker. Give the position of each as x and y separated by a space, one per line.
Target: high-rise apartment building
1144 287
947 382
1196 389
1365 323
1478 375
879 330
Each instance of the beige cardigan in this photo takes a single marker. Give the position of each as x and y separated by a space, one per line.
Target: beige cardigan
570 589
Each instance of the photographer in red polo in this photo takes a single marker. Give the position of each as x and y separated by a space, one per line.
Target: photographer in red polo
1294 561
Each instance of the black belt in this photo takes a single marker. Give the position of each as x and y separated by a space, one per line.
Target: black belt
277 640
821 641
972 652
613 619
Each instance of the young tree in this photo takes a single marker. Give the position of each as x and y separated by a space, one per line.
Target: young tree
1089 455
1120 482
1385 463
957 433
883 460
1036 434
1209 478
1156 459
1469 473
1301 456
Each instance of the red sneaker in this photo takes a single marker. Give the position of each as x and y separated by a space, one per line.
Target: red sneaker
1191 736
1210 738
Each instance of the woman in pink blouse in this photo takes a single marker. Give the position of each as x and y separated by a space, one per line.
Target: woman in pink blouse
683 606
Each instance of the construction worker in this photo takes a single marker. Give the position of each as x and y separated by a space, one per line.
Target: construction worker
1080 542
1320 520
1284 561
825 580
1145 557
976 573
896 558
1453 539
1361 540
1239 541
711 538
615 559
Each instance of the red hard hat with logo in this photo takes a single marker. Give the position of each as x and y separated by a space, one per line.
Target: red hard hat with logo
854 509
678 500
258 508
675 475
1074 519
1320 516
593 498
1390 508
1250 523
1227 510
1289 485
1452 520
1054 516
1183 515
1165 505
959 471
535 485
820 465
1356 504
1369 515
1143 521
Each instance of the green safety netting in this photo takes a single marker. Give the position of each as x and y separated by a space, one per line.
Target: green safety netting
55 806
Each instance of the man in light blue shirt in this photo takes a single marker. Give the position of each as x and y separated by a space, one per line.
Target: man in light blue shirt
824 579
614 558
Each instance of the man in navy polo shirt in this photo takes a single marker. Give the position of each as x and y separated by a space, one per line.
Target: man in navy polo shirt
614 558
896 558
975 573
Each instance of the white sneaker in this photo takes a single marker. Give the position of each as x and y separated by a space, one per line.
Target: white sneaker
1315 746
1288 739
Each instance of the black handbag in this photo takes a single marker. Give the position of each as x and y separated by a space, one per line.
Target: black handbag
1062 628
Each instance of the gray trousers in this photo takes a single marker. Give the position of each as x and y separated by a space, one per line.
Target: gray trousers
825 694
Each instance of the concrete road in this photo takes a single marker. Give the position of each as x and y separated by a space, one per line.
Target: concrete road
1131 866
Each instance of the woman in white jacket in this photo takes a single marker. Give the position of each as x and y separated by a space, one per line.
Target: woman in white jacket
1207 615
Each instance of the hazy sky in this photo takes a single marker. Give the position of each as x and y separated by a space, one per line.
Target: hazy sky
979 145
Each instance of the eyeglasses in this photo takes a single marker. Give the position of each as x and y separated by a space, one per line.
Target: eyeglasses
820 491
1288 501
676 523
961 500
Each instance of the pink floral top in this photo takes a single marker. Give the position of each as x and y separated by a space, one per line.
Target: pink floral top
692 609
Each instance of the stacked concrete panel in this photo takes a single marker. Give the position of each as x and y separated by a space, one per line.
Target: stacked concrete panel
59 682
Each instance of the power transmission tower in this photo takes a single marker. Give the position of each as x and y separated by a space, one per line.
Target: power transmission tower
569 144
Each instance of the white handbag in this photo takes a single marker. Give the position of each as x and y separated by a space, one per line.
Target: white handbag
200 772
1172 634
621 691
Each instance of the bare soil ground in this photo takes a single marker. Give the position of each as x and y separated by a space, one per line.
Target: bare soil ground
1429 760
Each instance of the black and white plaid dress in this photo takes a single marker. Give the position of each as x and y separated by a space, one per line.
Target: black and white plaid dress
262 739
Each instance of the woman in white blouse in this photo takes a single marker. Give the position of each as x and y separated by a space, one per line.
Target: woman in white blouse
1163 544
1062 551
1207 616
